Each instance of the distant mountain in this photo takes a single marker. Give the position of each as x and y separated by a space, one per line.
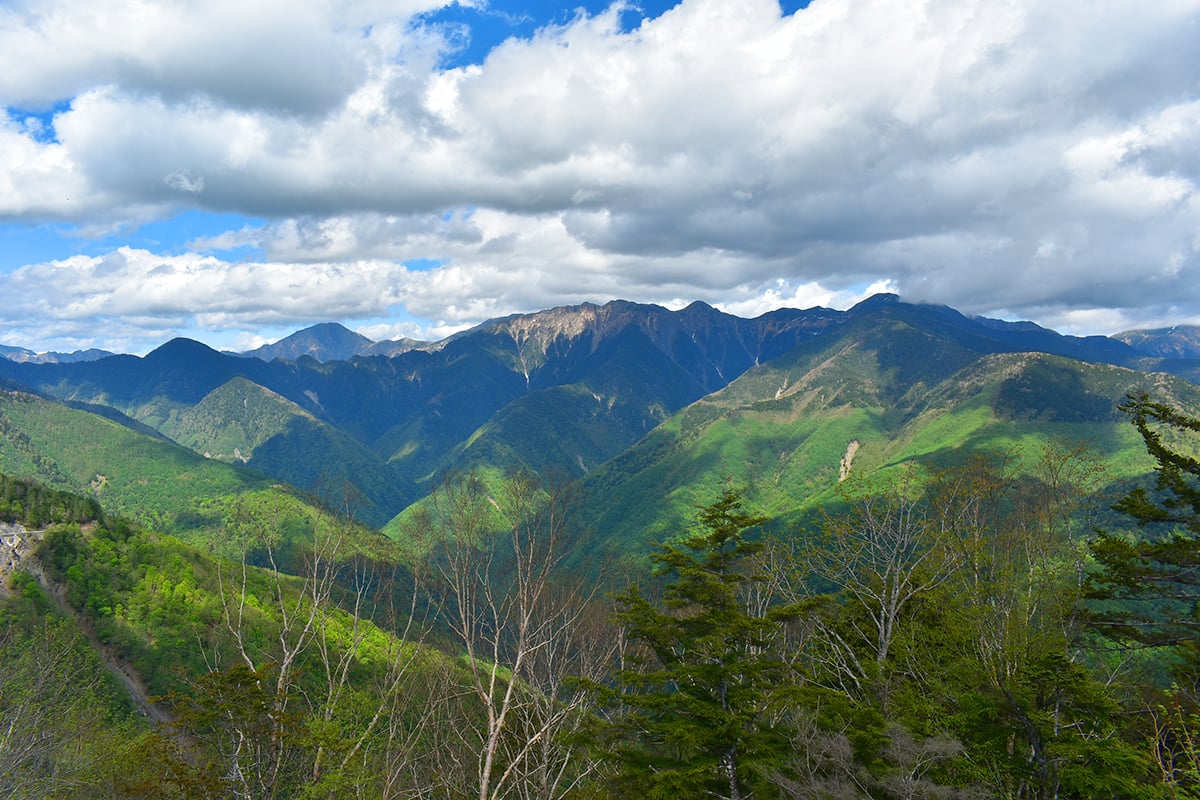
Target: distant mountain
16 353
568 390
20 354
486 396
328 341
395 347
1181 341
584 382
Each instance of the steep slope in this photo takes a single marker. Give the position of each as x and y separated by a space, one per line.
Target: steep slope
16 353
897 384
473 397
553 347
561 390
597 378
243 422
149 480
231 421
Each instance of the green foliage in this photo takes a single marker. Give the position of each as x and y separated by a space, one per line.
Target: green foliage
974 586
66 730
1177 472
129 473
150 481
232 420
36 506
785 430
147 597
1148 585
1144 589
988 684
270 690
695 719
241 422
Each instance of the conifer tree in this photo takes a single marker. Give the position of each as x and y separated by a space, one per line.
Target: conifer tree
1157 578
694 713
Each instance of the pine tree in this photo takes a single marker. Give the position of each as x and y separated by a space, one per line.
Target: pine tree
694 713
1150 588
1156 579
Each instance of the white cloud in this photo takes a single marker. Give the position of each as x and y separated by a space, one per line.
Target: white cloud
1025 156
764 298
35 178
279 55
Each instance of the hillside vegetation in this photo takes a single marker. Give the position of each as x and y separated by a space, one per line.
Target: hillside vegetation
627 552
883 396
148 480
930 638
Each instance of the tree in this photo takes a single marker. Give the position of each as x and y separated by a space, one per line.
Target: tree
63 732
523 629
1033 718
953 638
1155 580
1146 591
694 715
882 555
310 681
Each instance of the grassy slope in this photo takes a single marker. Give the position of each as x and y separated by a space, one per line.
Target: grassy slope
145 479
783 429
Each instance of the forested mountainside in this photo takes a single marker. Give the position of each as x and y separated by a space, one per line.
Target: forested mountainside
600 377
817 554
884 393
563 391
957 631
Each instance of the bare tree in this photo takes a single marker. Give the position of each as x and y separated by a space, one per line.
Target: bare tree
325 672
883 554
523 629
822 765
258 748
54 738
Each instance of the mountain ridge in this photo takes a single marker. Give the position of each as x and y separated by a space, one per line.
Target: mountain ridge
885 393
332 341
564 390
1178 341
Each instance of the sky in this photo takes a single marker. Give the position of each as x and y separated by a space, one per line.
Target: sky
235 170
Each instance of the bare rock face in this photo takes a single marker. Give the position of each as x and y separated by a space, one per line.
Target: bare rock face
848 460
16 548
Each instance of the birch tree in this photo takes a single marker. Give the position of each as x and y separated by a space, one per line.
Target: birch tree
523 629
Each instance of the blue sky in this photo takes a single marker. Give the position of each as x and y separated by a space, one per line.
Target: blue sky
233 171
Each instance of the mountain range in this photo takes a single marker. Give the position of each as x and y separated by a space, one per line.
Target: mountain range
22 354
332 341
651 410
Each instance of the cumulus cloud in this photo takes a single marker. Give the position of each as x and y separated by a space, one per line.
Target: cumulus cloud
1035 159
